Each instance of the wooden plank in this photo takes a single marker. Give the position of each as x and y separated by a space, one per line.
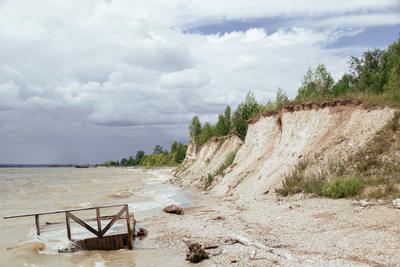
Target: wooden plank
111 240
61 211
68 225
116 217
128 224
98 221
37 224
120 242
101 243
83 224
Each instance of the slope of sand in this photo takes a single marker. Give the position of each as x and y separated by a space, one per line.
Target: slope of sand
290 232
276 143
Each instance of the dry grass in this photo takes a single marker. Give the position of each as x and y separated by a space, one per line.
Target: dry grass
373 172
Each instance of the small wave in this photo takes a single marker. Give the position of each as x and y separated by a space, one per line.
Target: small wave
36 246
126 193
93 262
80 205
123 194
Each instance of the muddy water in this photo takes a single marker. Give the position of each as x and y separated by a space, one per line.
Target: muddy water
29 190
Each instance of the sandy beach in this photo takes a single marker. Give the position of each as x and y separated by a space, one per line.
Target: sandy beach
296 231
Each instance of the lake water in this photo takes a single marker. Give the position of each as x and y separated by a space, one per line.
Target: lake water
31 190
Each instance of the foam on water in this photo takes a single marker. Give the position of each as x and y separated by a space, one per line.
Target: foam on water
157 195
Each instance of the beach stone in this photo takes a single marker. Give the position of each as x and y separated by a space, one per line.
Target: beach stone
396 203
174 209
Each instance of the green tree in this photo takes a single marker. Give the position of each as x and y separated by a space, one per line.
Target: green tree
367 73
228 119
281 98
158 149
315 84
206 133
195 129
343 86
130 161
245 110
174 147
180 152
123 162
221 128
139 155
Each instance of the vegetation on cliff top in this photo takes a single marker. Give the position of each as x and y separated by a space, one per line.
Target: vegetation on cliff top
374 78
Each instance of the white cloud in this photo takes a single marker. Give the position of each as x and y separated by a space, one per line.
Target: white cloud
187 78
130 62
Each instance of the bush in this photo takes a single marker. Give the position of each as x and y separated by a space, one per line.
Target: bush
228 162
210 179
342 187
293 182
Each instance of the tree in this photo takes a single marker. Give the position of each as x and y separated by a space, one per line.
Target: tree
206 133
195 129
139 155
130 161
174 147
221 128
123 162
180 152
281 98
367 74
343 86
245 110
228 119
158 149
315 84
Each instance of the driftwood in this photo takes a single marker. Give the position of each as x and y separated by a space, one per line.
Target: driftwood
258 245
196 252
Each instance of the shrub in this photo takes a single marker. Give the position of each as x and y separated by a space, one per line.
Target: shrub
342 187
314 184
210 179
293 182
228 161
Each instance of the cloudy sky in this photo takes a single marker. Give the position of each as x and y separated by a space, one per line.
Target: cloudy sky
86 81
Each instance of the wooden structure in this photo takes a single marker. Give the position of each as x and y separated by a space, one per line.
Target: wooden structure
101 241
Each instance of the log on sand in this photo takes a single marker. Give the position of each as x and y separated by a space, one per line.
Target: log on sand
246 241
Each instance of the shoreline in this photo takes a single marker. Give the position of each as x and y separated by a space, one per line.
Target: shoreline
295 231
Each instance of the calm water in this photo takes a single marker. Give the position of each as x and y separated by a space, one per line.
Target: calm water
29 190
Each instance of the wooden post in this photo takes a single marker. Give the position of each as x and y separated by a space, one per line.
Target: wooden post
98 221
68 225
37 224
128 224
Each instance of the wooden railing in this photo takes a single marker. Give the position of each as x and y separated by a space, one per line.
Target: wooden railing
100 232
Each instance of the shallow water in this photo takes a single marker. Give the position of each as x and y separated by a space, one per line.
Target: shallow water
30 190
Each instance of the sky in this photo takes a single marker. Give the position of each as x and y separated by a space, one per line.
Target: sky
87 81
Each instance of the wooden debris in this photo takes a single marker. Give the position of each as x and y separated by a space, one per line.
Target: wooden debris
258 245
174 209
141 232
196 252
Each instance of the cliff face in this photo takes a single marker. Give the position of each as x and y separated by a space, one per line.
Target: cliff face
200 162
277 142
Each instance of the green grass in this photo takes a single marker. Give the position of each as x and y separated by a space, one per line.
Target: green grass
342 187
220 171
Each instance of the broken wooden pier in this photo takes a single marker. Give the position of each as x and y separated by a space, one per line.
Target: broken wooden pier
102 240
